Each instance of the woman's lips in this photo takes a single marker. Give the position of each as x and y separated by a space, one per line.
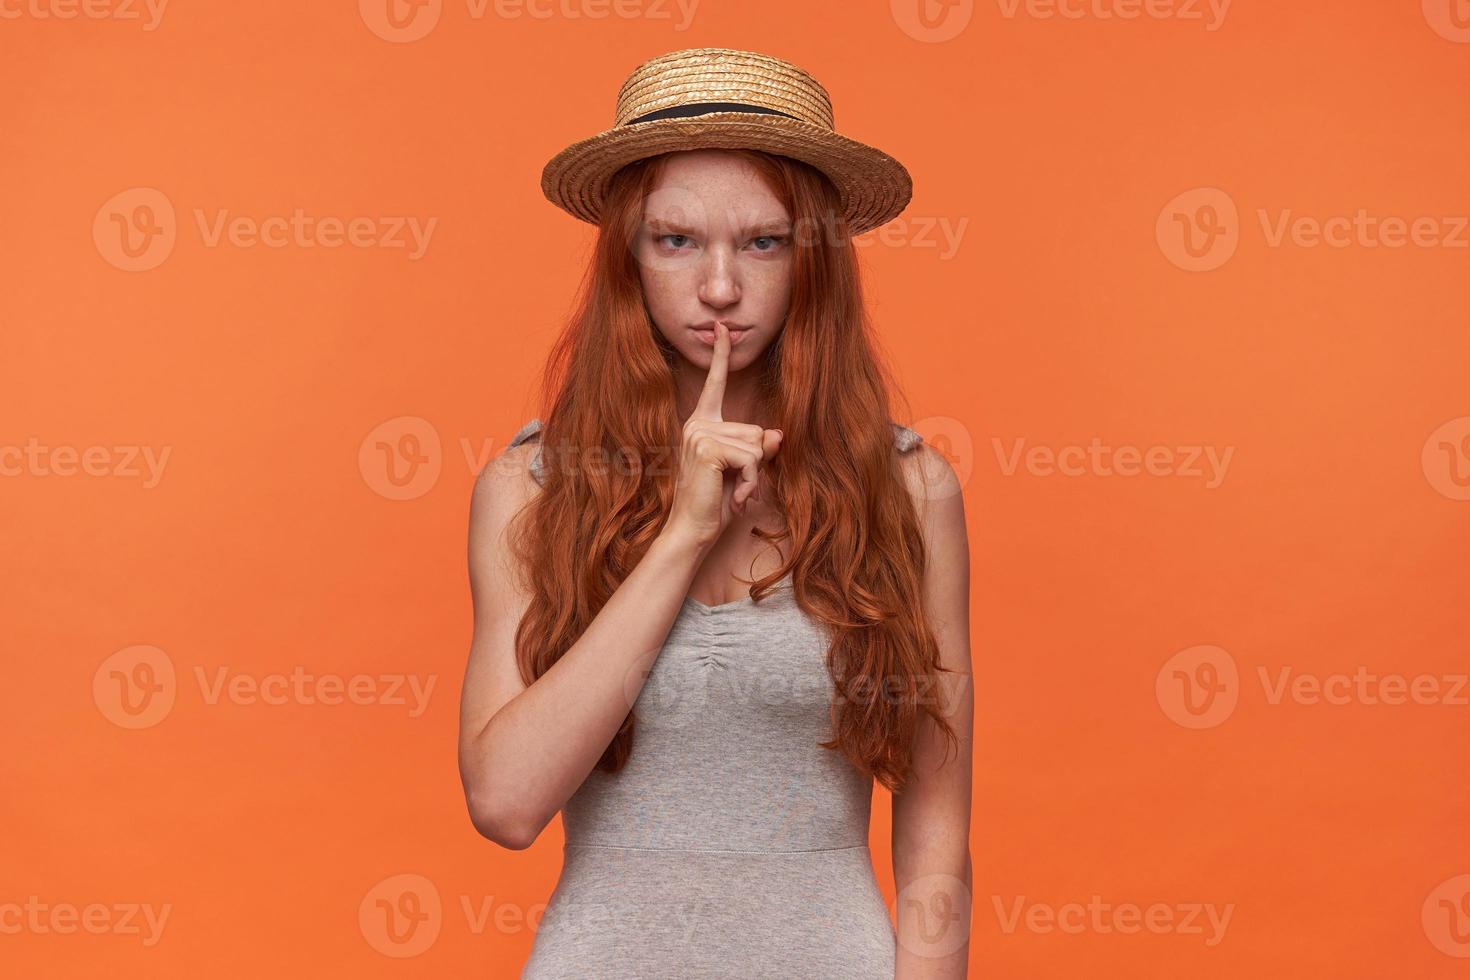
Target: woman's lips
708 336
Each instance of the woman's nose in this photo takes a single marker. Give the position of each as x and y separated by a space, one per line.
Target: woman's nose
717 285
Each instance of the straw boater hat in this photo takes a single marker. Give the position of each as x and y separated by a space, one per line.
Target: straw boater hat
719 98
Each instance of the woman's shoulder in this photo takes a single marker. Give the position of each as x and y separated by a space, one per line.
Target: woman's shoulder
928 474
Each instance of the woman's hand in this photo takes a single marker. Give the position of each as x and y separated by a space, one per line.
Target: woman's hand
704 499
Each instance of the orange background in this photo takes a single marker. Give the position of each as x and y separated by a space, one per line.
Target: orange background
1334 542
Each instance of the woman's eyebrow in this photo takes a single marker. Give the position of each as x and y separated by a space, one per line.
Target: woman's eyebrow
764 227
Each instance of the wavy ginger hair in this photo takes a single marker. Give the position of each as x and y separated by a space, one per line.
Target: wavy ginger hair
857 551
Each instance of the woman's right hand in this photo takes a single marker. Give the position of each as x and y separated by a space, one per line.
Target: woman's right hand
705 498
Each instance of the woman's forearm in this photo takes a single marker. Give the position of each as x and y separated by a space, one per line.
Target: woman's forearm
539 747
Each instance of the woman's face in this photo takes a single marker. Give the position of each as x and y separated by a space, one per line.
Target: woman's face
715 244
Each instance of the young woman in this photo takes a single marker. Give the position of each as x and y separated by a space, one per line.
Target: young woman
719 592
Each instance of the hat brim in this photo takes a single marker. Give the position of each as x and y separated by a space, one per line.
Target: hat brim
874 187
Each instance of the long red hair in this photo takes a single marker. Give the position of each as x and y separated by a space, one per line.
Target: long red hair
611 429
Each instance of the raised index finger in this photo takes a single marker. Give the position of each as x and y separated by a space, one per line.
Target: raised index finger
712 398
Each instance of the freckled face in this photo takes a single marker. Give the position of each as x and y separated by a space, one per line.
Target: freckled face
715 244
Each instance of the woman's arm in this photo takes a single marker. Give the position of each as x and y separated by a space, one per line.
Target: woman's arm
523 751
931 816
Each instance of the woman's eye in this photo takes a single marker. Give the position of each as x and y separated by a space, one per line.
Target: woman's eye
682 238
775 240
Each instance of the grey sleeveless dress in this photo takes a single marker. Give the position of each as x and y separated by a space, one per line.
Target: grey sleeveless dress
730 845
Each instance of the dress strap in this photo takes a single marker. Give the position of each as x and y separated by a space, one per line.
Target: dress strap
905 438
531 430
